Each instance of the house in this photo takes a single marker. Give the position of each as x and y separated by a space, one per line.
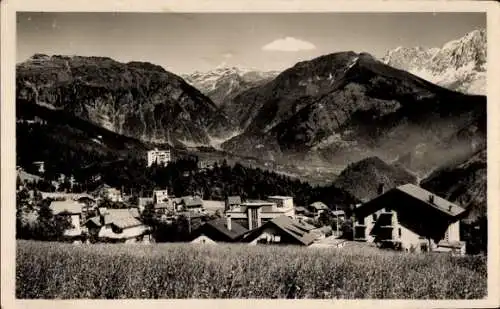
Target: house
302 211
282 202
281 230
189 203
160 157
66 196
233 201
205 165
85 198
162 202
317 208
322 232
221 230
39 166
409 218
92 227
213 206
339 214
107 192
72 210
160 196
253 214
121 225
142 202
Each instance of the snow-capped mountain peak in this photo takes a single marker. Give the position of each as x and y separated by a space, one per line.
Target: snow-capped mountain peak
224 82
459 64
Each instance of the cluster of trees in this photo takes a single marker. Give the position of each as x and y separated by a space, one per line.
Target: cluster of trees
175 229
92 165
35 220
182 178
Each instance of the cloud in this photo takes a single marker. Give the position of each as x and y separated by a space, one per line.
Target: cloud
227 55
288 44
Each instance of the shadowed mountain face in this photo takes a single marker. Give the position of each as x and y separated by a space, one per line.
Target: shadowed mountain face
136 99
464 183
344 107
363 178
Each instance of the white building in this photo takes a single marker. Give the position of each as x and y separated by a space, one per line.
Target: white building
161 157
253 214
40 166
160 196
73 211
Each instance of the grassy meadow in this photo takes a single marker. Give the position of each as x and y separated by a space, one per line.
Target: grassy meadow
56 270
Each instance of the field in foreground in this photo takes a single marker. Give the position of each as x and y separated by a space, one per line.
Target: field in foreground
56 270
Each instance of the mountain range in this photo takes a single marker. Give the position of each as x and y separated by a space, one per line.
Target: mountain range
325 112
223 83
135 99
343 107
458 65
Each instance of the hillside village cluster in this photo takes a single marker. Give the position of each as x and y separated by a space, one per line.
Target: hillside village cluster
406 218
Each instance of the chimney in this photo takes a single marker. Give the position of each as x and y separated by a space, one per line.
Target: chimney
431 199
380 188
228 222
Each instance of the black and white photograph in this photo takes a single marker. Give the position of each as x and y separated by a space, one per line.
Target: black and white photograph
251 155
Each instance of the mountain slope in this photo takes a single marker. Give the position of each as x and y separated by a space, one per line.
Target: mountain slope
464 183
361 179
136 99
343 107
68 144
459 65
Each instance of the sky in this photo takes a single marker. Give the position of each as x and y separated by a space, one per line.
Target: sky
183 43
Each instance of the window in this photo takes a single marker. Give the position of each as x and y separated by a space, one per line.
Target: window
399 232
374 216
361 220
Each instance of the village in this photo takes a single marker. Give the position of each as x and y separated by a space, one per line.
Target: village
406 218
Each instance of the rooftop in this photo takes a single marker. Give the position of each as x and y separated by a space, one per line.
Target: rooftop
66 207
319 206
122 218
192 201
234 200
437 202
297 230
280 197
220 225
257 203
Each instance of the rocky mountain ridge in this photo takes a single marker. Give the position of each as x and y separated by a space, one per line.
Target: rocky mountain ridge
135 99
458 65
343 107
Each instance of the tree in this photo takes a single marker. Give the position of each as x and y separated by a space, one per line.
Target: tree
147 215
50 227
